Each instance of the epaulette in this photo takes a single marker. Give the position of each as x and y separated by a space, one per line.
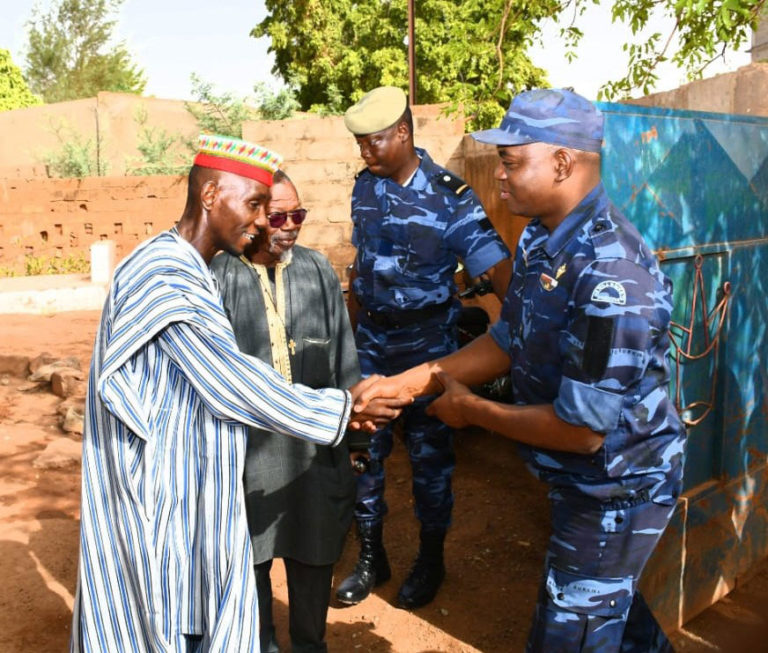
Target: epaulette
453 183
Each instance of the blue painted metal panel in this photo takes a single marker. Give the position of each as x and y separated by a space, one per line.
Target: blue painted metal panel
698 190
696 185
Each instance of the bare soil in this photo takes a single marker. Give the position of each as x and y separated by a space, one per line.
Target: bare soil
494 551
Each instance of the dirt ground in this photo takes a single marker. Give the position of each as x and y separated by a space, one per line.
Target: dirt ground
494 550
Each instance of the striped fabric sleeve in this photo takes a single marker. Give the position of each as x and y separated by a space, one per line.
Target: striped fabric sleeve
237 387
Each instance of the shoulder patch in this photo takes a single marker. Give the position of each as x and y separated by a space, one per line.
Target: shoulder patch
453 183
610 292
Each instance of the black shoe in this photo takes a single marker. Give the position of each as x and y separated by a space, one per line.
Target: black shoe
372 568
427 573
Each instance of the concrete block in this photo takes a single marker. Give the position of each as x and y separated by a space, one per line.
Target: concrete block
339 215
302 172
315 194
102 261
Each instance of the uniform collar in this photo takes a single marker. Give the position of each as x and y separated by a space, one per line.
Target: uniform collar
592 205
420 177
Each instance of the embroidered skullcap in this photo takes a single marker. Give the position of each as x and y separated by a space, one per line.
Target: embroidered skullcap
376 110
238 157
548 115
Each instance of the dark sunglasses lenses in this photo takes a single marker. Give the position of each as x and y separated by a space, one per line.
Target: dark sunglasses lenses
278 218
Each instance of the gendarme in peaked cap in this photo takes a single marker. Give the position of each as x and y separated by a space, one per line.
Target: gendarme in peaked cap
376 110
238 157
548 115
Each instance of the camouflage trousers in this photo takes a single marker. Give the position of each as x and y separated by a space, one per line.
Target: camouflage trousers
429 442
588 598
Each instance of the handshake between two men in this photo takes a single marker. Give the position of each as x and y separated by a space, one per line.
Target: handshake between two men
379 399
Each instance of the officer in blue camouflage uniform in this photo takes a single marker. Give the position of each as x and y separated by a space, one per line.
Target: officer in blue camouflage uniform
412 221
584 328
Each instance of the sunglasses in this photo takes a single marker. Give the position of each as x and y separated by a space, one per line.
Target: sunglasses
278 218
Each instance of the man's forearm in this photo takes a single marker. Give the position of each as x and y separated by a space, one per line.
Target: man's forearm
535 425
480 361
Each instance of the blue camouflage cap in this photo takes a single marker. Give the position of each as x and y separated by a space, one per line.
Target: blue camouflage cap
548 115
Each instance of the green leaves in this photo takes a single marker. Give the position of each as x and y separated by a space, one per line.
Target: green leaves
14 92
699 33
218 113
334 51
71 53
473 54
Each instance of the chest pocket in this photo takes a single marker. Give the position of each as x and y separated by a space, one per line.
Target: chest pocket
316 368
424 251
409 249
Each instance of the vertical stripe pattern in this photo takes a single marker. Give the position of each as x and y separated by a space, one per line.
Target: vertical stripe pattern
165 550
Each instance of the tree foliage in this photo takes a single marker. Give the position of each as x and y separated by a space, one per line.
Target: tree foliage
275 105
698 33
469 53
218 113
76 157
71 53
473 53
14 92
160 151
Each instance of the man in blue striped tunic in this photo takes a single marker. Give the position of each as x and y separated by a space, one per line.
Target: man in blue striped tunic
165 557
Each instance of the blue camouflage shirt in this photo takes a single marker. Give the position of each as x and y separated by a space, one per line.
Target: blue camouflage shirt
585 322
408 238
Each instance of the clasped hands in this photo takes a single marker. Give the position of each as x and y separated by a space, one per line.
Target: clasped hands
380 399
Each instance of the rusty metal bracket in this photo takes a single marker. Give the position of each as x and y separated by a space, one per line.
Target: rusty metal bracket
683 342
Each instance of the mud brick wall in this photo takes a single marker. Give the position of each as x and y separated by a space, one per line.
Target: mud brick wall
109 122
322 158
63 217
744 91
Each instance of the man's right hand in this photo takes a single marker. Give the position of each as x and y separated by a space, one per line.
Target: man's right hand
383 401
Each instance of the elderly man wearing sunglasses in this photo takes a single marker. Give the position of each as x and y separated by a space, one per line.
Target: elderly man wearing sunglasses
286 307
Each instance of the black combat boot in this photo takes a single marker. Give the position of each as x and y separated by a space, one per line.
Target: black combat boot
372 568
427 573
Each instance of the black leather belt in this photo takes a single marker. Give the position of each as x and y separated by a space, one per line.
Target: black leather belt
405 318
